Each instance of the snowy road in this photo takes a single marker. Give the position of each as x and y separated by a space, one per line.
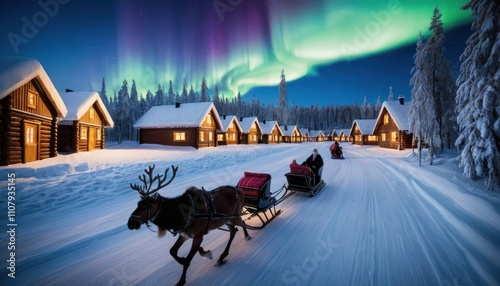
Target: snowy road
380 220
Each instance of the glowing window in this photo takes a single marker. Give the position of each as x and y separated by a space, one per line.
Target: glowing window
209 119
220 137
202 136
92 113
83 133
210 136
98 134
179 136
384 136
394 136
30 131
32 98
386 118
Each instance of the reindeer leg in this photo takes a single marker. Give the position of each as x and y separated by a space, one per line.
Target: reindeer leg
232 232
175 249
197 240
203 253
240 222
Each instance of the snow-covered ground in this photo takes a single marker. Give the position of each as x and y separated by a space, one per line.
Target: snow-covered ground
380 220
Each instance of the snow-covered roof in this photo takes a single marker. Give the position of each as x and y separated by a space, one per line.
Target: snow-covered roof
268 126
345 131
78 103
316 133
229 118
247 122
398 112
288 130
186 115
16 72
304 132
365 126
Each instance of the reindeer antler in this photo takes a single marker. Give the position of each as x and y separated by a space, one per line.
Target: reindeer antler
146 190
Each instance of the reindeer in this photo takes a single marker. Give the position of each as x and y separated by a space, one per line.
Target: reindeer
191 215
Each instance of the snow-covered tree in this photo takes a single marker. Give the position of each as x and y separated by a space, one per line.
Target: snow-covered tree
378 105
184 94
478 99
103 94
170 94
159 95
364 108
133 111
204 91
422 117
443 86
123 109
391 95
283 101
192 97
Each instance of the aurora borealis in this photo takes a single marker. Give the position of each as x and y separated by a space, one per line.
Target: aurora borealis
241 46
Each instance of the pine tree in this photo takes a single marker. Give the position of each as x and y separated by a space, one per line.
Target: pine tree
283 101
443 87
192 95
378 105
103 94
123 106
478 99
364 109
422 117
391 95
133 111
204 91
216 100
170 94
184 94
159 96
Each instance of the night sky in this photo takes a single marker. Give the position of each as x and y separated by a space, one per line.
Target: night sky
332 52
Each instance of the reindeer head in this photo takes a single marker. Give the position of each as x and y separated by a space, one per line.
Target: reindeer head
149 204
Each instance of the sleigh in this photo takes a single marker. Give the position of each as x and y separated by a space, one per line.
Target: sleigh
260 203
302 179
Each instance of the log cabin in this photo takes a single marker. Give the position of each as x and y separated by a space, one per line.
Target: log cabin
83 127
30 108
291 134
271 132
252 131
186 124
392 125
230 132
361 132
344 136
316 136
305 134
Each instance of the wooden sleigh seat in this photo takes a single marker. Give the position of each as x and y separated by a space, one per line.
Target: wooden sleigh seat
257 189
259 201
301 179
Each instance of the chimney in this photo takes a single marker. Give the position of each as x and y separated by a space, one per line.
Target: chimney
401 99
177 104
264 121
224 117
69 90
286 128
241 118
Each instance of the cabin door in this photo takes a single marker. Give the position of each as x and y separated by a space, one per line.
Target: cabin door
31 142
92 136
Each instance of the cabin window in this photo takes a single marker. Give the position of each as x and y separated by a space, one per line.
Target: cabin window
210 136
83 133
394 136
30 134
202 136
179 136
233 136
386 118
220 137
32 99
231 125
372 138
98 134
253 127
254 137
384 137
209 120
92 113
